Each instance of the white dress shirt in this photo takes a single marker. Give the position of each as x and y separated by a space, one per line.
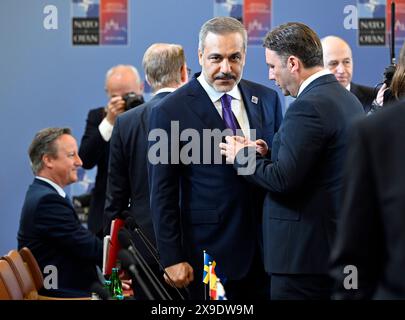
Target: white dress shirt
315 76
237 105
53 184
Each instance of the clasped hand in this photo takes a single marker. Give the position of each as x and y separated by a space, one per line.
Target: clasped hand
235 143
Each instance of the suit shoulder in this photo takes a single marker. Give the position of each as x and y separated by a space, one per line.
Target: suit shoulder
96 115
391 117
257 87
95 112
362 88
133 114
176 96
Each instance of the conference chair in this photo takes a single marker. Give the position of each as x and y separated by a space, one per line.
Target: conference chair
22 274
33 267
29 275
9 286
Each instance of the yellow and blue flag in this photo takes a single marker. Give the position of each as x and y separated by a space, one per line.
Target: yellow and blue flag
207 260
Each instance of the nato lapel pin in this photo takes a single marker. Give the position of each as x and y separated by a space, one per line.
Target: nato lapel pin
255 99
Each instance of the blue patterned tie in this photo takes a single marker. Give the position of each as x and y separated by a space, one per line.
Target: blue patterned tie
227 114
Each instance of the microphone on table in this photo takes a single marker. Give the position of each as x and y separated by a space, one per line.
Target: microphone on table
124 237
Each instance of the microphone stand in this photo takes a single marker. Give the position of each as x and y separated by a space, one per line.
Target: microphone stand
152 250
146 269
124 255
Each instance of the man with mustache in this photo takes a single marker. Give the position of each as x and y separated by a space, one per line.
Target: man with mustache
205 205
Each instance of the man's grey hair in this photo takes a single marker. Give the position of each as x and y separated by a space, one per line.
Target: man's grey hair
44 144
162 63
114 69
222 26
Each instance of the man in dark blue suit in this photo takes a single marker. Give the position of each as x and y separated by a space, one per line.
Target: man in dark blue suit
303 178
198 202
127 185
49 225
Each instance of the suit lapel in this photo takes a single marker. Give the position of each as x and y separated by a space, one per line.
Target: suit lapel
203 107
253 106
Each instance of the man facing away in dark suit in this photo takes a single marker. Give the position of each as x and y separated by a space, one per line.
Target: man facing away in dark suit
94 147
338 58
303 178
127 185
368 260
201 204
49 225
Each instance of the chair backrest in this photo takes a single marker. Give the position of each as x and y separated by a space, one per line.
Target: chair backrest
22 274
33 267
9 286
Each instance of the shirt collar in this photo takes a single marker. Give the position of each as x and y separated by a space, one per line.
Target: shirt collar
311 78
167 89
215 95
348 87
53 184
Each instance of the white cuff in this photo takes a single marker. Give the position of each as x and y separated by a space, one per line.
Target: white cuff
105 129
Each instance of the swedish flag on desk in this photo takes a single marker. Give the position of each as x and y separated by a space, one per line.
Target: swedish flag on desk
207 260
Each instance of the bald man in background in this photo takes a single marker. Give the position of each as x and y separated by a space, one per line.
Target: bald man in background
94 149
337 57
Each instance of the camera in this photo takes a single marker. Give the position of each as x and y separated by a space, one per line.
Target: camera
388 74
132 100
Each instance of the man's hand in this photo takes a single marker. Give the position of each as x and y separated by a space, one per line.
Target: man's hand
115 106
261 147
235 143
181 274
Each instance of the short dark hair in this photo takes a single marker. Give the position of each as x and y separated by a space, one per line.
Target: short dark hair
44 143
296 39
222 26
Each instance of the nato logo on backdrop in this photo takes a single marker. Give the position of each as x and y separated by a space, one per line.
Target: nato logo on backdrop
99 22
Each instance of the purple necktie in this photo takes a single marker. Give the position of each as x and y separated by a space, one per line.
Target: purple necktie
227 114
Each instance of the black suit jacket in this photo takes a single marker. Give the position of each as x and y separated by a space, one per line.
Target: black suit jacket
127 174
94 151
50 228
304 178
371 233
206 206
366 95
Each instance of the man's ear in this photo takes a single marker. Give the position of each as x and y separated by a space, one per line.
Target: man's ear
184 73
293 63
47 160
200 57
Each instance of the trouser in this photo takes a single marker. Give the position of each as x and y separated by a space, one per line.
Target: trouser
300 287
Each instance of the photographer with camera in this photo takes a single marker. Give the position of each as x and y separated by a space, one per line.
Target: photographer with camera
124 90
393 88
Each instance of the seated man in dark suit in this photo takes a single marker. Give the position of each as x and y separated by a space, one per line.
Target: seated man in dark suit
127 185
337 57
94 147
49 225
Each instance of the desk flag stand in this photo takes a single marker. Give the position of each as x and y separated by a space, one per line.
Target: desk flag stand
212 283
